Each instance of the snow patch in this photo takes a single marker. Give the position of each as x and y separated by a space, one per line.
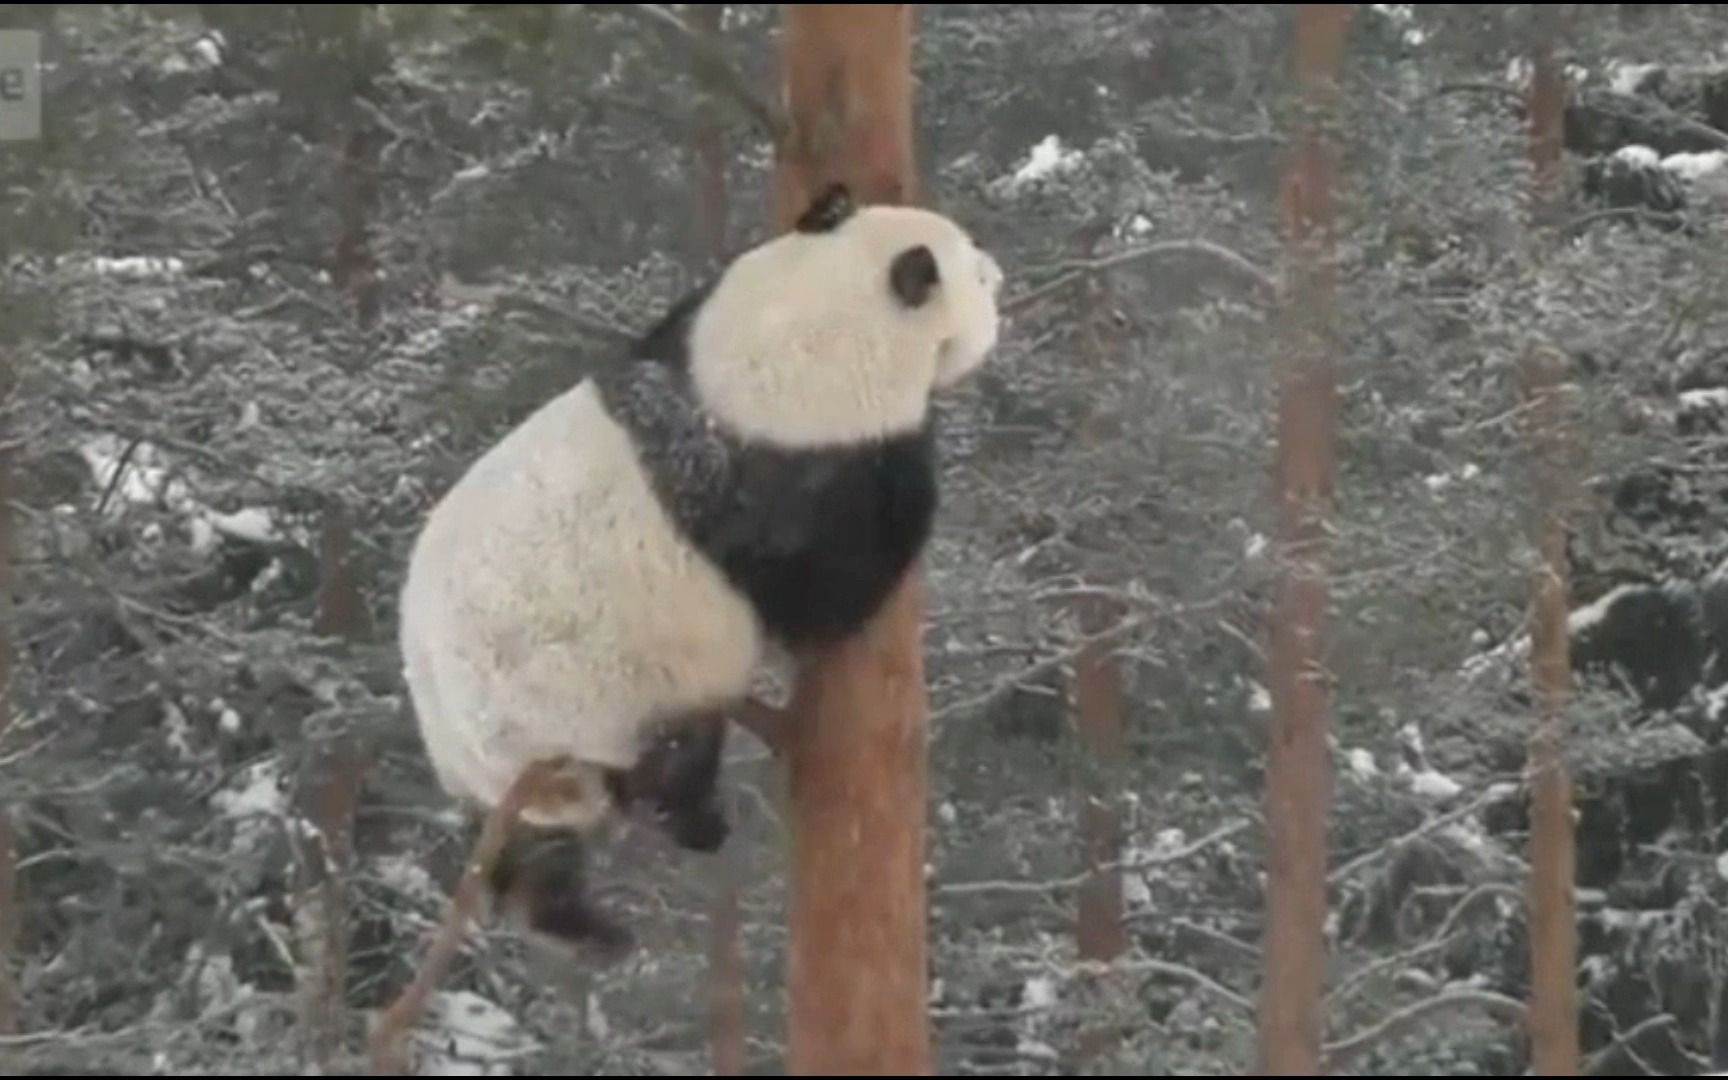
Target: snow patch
1704 400
136 267
259 791
1589 615
1047 159
470 1036
1693 167
1638 156
1625 78
1362 763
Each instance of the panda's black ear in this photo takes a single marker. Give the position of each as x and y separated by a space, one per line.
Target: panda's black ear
914 275
827 211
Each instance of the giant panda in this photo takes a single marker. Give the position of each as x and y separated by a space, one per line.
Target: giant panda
750 481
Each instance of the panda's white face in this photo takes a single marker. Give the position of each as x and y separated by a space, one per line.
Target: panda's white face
822 339
973 319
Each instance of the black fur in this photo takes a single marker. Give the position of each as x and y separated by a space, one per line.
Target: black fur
816 538
677 779
540 880
829 210
914 276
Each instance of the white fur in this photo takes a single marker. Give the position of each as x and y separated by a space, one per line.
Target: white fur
803 344
551 608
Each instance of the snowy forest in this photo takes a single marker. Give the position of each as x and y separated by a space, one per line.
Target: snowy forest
270 282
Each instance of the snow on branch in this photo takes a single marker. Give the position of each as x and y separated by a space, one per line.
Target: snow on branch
973 888
716 71
1078 270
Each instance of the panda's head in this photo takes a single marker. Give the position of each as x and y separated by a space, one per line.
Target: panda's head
840 329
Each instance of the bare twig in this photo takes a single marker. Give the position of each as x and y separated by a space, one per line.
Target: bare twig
389 1038
1340 1053
1443 937
1175 971
1033 671
1509 94
973 888
120 468
764 721
1078 270
1601 1062
1360 862
711 63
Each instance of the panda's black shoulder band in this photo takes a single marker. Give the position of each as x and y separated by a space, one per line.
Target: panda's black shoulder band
827 211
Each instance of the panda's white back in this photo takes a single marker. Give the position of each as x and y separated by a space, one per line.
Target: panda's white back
562 609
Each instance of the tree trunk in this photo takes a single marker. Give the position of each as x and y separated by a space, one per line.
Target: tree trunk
1553 1013
726 1018
1100 934
334 776
710 146
1098 710
9 914
727 1023
1298 767
356 196
856 751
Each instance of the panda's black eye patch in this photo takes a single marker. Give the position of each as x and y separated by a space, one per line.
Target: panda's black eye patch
914 275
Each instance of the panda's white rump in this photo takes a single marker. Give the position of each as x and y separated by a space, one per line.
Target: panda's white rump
563 611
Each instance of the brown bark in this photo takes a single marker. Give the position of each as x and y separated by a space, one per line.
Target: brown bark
10 1006
727 1023
1298 768
710 143
1553 1012
1100 932
356 268
541 781
1098 712
856 752
331 786
726 1018
341 608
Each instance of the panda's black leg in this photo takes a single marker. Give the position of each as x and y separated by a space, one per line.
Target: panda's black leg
689 800
678 779
541 881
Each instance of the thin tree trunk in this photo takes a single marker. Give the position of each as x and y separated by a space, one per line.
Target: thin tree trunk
356 197
331 786
10 1006
1298 772
727 1023
1553 1013
726 1018
1098 711
710 145
1099 929
856 752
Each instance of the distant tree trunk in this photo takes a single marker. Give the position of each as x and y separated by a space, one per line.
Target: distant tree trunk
356 197
1098 712
348 53
1553 1013
331 784
1098 708
1298 768
10 1006
726 1018
856 749
710 143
